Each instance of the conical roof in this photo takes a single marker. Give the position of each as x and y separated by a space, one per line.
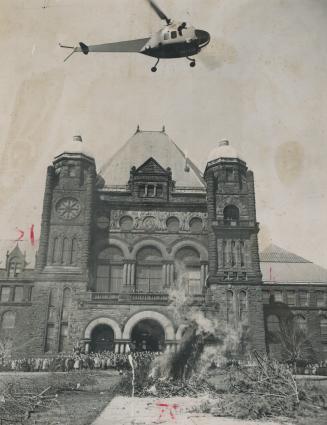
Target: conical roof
158 145
223 150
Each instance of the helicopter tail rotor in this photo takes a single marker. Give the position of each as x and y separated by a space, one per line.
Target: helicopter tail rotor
74 49
81 48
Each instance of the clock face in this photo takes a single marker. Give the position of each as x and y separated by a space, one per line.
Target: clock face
68 208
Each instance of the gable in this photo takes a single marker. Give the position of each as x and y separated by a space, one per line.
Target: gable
151 167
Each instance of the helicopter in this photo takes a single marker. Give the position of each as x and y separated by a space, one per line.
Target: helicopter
174 40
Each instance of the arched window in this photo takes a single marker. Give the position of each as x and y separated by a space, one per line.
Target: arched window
8 320
56 257
53 304
149 270
15 267
323 329
231 214
301 323
230 307
172 224
74 252
65 252
188 269
321 298
233 254
126 223
109 270
243 310
242 253
196 225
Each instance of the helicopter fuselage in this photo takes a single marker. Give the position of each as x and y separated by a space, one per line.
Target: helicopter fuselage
176 40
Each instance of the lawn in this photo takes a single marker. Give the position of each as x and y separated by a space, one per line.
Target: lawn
78 397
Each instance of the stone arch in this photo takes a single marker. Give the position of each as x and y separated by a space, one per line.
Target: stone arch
190 243
231 212
232 200
149 314
114 242
150 242
103 321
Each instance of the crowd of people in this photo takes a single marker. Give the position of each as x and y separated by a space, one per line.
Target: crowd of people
106 360
297 368
310 368
78 361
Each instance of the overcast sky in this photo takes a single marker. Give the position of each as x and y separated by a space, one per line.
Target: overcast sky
261 83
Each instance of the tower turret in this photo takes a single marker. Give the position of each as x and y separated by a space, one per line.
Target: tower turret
234 269
232 221
67 213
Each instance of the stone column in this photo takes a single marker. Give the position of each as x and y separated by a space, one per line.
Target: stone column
125 267
202 275
164 275
171 274
132 275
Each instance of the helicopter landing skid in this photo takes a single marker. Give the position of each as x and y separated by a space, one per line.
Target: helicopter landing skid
154 68
192 61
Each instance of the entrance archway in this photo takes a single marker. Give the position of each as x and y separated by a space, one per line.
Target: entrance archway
148 335
102 339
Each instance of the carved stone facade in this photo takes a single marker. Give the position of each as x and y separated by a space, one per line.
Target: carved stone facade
109 255
157 220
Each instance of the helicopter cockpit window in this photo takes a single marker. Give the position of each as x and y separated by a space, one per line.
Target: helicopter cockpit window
173 34
166 35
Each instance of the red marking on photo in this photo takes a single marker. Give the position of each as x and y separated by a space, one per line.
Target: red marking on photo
32 237
21 234
168 409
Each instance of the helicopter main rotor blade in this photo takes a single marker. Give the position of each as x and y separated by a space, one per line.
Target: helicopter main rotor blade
159 12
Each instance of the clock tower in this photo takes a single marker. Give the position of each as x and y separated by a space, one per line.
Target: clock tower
66 226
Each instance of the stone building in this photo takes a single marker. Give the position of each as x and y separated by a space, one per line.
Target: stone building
113 243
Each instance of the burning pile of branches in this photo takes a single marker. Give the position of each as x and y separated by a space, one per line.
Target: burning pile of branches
18 401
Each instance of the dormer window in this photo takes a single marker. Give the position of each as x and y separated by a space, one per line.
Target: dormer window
151 191
229 174
14 268
71 170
